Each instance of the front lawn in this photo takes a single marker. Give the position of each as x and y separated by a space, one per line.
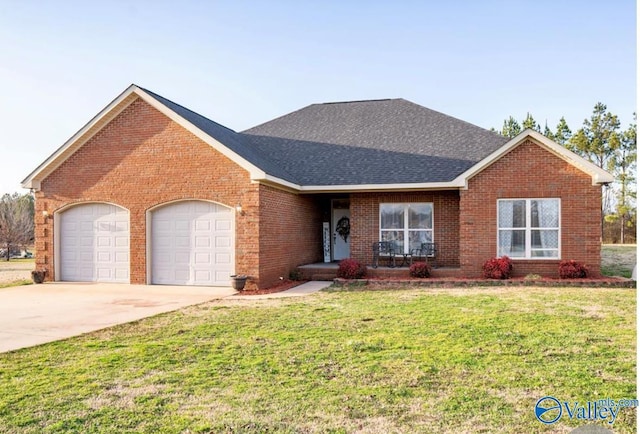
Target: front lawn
436 360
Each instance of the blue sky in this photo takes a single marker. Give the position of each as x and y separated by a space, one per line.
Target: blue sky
242 63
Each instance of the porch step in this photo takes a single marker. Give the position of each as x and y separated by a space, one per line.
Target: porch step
324 277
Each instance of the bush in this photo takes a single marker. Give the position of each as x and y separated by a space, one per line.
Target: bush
351 269
498 268
572 270
420 269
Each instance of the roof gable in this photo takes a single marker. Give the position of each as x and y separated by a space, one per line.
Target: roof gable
598 175
221 138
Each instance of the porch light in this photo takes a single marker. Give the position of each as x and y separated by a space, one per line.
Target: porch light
239 209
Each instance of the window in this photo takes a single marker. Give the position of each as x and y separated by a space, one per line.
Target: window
408 224
529 228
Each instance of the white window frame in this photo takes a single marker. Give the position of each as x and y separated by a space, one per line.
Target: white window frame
406 228
528 229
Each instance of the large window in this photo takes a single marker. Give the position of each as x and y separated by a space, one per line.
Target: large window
407 224
529 228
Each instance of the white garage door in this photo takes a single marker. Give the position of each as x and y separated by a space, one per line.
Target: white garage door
94 243
192 243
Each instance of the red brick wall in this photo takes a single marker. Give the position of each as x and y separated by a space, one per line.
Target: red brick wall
139 160
290 233
530 171
365 222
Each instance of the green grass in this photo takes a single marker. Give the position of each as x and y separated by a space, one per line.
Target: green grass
618 259
21 282
450 361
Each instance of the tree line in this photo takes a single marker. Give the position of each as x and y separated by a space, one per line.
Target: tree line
602 141
16 224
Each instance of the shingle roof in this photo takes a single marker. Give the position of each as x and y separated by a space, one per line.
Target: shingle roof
390 141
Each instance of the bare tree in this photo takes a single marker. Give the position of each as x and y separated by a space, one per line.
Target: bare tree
16 222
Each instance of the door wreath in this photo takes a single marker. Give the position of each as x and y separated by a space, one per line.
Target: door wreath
343 228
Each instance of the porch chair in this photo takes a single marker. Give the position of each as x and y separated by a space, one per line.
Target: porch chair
426 251
384 249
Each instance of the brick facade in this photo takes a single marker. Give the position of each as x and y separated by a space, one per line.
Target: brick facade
290 233
530 171
142 159
365 222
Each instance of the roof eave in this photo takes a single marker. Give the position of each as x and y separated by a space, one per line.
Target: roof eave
357 188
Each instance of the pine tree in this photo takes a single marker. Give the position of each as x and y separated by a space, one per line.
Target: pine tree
511 127
563 132
622 164
530 122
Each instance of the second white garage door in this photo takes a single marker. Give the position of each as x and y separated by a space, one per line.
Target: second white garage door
192 243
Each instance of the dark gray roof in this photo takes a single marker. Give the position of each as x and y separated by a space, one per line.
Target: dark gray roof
390 141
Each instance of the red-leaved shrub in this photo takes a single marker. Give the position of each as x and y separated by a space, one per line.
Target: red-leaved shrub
420 269
351 269
497 268
572 270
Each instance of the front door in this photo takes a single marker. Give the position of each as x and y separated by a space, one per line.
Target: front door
341 230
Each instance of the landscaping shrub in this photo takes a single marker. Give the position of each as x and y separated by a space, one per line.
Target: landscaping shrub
572 270
351 269
420 269
497 268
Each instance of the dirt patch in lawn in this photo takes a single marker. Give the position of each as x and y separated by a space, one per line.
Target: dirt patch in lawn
282 286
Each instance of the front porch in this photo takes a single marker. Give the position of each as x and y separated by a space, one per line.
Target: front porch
329 271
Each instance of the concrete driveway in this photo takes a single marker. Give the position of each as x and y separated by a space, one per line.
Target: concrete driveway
35 314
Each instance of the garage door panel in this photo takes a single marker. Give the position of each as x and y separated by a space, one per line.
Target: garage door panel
223 241
183 241
182 257
223 225
94 243
203 241
121 241
104 257
202 276
86 226
104 241
182 225
203 225
105 274
202 258
187 234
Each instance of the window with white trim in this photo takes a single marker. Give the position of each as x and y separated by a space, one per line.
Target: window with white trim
407 224
529 228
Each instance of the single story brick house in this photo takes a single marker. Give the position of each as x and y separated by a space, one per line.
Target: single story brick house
149 192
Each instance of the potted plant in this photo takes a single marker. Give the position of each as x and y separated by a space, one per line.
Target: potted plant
38 275
238 281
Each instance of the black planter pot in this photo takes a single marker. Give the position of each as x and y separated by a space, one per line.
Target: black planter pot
238 282
38 276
